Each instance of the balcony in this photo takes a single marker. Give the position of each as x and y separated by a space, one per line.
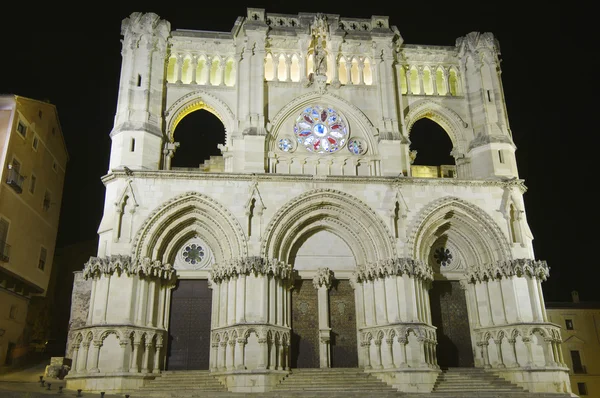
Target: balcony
4 251
15 180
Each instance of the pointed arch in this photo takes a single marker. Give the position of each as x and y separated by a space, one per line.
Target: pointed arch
340 213
468 229
448 119
184 216
195 101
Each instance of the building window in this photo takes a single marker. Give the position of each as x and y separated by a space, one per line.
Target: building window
40 114
47 199
501 157
582 389
132 146
35 143
576 360
4 247
53 130
54 166
22 129
569 324
13 311
42 262
32 181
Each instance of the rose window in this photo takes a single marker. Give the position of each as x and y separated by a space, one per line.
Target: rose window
193 253
321 129
442 256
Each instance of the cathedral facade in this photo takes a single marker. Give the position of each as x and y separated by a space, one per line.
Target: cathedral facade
312 241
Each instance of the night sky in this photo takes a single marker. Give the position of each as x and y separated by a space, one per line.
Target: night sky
73 60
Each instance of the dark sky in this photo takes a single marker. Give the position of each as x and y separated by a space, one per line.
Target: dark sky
72 58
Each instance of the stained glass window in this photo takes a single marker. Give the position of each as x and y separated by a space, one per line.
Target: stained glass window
286 145
321 129
356 147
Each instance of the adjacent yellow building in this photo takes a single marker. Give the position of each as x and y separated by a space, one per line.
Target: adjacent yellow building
33 159
580 329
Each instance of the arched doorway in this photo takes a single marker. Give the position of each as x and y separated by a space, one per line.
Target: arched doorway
323 249
189 325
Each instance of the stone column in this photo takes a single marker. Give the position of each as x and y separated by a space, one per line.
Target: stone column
75 359
194 66
499 350
262 358
390 352
366 345
403 341
157 352
433 74
230 355
134 367
527 341
420 76
146 358
239 356
446 72
485 354
95 356
407 78
288 69
322 282
379 364
223 356
178 68
513 345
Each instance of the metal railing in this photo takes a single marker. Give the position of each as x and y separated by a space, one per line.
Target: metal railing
15 180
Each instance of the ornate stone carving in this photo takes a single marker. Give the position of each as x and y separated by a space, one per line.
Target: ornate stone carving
323 277
520 267
120 264
250 265
394 267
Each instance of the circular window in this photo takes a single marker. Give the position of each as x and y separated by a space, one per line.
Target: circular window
193 253
321 129
356 147
286 145
443 256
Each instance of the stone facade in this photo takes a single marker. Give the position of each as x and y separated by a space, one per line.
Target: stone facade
314 188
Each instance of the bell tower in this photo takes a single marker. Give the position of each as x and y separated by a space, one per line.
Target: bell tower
492 150
137 134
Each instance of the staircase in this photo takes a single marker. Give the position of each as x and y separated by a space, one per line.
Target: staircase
476 382
338 382
333 382
183 383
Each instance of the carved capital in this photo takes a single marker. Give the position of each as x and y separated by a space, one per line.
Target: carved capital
121 264
394 267
520 267
250 265
323 278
